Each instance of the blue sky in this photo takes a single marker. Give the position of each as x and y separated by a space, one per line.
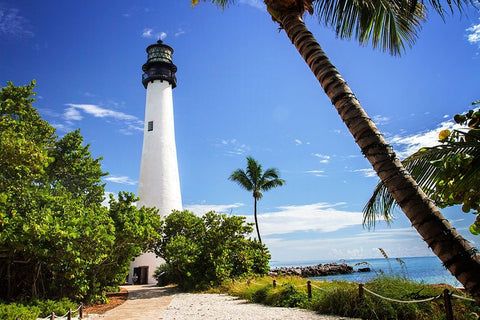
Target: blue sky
243 90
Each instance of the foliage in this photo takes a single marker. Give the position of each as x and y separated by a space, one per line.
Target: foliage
341 298
36 308
16 311
389 25
448 173
56 239
204 251
256 180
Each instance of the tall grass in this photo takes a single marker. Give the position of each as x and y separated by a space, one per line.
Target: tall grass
342 298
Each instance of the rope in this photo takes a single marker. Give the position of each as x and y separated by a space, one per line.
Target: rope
317 287
463 298
65 316
401 301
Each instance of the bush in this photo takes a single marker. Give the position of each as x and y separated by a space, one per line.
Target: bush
15 311
59 307
31 310
164 275
201 252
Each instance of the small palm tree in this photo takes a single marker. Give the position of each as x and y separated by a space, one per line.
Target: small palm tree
254 179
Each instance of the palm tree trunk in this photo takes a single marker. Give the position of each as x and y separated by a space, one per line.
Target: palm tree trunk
453 250
256 221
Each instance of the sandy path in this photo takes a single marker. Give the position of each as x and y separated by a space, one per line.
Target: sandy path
151 302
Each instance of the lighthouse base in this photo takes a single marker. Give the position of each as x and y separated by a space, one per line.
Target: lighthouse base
143 267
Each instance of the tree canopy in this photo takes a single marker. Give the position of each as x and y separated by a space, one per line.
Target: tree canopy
56 238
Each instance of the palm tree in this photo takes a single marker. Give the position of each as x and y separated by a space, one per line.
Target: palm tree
389 24
256 180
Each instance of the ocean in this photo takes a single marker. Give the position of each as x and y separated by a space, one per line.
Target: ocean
420 269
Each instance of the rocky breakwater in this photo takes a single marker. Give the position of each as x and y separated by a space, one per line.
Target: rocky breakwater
313 271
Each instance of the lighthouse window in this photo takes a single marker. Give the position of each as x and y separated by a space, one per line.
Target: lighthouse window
150 125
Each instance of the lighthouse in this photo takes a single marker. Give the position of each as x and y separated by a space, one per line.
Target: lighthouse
159 182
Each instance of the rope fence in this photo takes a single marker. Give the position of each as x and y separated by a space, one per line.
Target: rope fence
446 295
68 315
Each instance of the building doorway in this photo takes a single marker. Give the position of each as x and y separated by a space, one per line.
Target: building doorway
142 275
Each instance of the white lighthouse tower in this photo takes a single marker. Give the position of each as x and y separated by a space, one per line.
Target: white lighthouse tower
159 182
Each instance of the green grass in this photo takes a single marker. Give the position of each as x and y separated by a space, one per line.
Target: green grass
342 298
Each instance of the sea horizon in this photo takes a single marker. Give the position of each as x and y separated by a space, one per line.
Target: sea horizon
423 269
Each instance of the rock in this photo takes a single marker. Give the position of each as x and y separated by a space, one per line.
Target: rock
364 269
314 271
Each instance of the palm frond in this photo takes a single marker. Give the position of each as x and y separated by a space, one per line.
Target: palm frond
242 179
254 171
271 173
380 204
269 184
388 24
219 3
421 166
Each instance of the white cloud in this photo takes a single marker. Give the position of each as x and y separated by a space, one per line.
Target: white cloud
298 142
407 145
73 113
62 126
150 33
323 158
232 147
121 180
368 172
200 209
324 217
316 173
13 24
179 33
253 3
473 35
379 120
359 245
100 112
147 33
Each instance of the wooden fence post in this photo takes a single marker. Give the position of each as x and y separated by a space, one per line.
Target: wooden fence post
248 282
274 283
360 291
52 316
448 304
81 311
69 317
309 289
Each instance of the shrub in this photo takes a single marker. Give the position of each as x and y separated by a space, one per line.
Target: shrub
31 310
15 311
164 275
204 251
